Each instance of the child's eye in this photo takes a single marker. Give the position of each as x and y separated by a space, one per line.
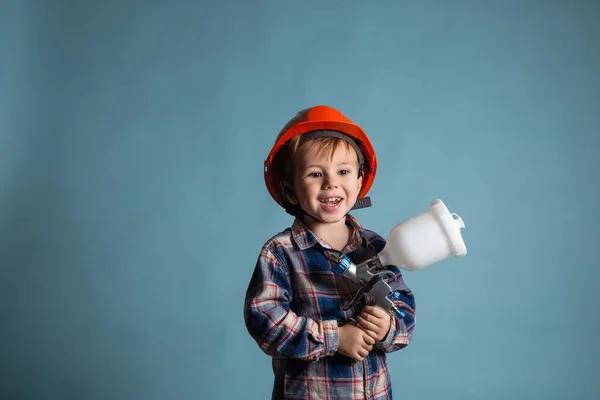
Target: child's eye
344 172
315 174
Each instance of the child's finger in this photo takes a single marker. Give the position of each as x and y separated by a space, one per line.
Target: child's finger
363 322
369 339
362 353
372 322
374 311
369 332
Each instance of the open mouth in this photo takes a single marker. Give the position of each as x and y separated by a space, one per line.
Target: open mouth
331 201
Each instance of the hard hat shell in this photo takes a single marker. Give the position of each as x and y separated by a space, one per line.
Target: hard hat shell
316 118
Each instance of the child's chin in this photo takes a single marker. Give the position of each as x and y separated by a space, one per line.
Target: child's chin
332 217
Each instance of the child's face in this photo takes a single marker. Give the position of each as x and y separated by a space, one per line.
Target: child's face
326 187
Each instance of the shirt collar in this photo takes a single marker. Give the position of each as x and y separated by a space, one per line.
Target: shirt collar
305 238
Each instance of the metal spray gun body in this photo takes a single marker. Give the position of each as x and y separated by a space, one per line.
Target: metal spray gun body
371 283
413 244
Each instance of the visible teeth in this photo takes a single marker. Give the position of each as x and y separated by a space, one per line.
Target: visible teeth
331 200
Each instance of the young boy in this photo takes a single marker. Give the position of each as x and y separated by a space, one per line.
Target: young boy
320 165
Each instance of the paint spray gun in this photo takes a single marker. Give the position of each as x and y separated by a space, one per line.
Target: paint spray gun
413 244
371 281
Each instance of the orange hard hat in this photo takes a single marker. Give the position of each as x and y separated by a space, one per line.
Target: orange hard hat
321 118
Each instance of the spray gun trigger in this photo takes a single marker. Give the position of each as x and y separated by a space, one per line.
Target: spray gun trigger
363 289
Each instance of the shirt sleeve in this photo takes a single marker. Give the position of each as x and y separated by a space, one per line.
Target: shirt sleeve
279 331
401 329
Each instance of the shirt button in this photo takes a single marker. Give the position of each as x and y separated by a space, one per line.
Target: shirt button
368 392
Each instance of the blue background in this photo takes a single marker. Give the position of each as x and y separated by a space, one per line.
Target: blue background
133 207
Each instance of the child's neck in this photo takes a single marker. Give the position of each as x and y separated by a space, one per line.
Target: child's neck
337 234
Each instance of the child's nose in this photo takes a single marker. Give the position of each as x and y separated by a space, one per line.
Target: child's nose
330 181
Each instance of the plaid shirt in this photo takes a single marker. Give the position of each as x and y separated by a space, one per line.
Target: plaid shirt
293 310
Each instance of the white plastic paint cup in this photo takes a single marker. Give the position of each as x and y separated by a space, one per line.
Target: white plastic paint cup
424 239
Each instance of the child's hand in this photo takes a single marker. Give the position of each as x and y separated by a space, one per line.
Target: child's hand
374 321
354 342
